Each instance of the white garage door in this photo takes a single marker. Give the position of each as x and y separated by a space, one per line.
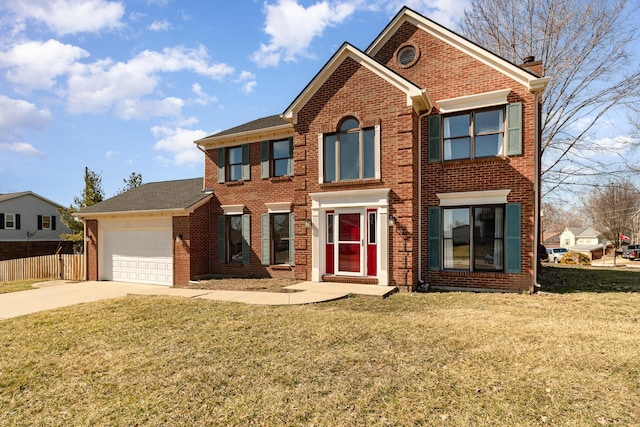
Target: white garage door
141 256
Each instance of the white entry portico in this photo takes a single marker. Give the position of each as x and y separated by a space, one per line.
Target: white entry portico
350 234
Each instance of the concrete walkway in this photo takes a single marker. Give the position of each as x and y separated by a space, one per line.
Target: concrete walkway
57 293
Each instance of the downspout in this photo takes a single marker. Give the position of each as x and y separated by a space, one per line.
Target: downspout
536 190
426 113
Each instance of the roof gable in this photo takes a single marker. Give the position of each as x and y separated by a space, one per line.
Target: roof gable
11 196
417 97
524 77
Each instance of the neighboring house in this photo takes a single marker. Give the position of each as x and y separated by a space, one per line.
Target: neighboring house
573 236
635 228
551 239
30 226
413 162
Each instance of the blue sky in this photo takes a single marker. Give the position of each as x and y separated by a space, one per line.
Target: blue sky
127 86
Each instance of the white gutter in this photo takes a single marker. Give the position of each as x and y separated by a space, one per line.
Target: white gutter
536 189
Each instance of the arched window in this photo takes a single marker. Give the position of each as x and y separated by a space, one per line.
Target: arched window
350 153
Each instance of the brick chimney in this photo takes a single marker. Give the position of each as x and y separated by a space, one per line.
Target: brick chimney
529 63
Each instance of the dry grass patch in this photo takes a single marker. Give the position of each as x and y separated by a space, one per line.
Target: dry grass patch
428 359
16 286
243 284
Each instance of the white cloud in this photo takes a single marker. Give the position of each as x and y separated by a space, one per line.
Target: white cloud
22 148
160 26
70 16
178 142
128 88
36 64
110 154
248 82
203 97
19 114
293 27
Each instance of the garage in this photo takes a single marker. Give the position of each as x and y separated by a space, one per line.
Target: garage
138 251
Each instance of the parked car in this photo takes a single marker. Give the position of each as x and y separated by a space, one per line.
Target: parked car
556 254
632 252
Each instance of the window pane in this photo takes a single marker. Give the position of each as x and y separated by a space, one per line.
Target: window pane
457 247
280 167
349 228
488 225
349 156
234 227
349 124
329 158
46 222
488 145
9 221
372 228
329 228
235 155
455 126
281 149
369 154
280 238
488 121
456 149
235 172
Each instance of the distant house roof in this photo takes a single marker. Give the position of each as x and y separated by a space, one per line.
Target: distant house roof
179 195
10 196
583 232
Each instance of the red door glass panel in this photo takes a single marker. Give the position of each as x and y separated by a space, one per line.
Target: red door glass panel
372 250
349 243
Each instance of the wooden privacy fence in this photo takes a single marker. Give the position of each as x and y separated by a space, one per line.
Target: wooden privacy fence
65 267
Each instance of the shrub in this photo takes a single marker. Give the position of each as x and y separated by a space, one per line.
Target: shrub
575 258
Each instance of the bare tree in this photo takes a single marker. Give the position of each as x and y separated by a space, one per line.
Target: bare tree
556 217
610 209
586 48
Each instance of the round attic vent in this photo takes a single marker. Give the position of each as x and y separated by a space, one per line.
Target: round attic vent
407 56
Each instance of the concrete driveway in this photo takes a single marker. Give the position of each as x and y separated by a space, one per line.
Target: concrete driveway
55 294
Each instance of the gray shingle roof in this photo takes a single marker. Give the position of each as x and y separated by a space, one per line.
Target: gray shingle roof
262 123
166 195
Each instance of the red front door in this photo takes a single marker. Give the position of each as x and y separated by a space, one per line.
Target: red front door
350 243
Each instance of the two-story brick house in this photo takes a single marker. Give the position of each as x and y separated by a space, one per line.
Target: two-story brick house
413 162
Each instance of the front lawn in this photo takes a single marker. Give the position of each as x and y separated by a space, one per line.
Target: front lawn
16 286
575 278
412 359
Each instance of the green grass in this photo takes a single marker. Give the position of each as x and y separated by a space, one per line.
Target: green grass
424 359
572 278
17 286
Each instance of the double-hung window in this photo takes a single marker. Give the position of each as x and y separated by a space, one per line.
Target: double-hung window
474 134
9 221
233 164
350 153
277 238
494 131
277 158
473 238
234 238
46 222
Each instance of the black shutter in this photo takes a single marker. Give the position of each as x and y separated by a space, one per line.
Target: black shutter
39 222
53 222
17 221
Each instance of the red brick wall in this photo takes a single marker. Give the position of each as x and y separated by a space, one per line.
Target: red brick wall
92 249
448 73
355 91
253 195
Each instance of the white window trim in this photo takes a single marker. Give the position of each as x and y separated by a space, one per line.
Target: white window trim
49 227
468 198
473 102
233 209
278 207
376 155
13 227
